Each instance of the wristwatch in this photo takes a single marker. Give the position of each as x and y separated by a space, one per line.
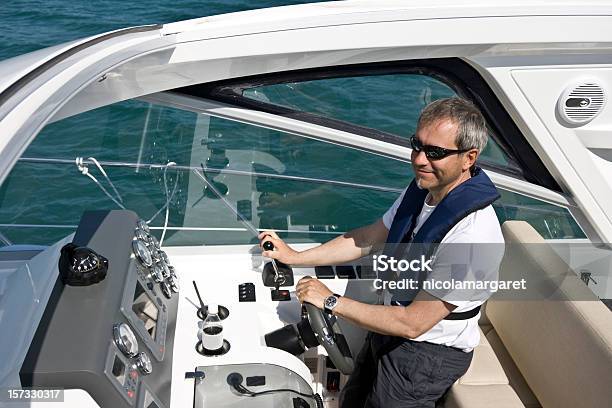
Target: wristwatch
330 303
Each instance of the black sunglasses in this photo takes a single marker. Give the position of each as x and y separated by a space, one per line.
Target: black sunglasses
432 152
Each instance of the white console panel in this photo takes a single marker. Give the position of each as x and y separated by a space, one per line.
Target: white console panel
218 271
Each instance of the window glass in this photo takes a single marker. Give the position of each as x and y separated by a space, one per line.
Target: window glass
389 103
550 221
45 195
307 189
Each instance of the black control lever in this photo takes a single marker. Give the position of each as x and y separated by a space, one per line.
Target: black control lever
275 273
278 279
202 307
268 245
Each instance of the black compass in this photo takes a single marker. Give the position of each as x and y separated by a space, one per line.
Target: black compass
81 266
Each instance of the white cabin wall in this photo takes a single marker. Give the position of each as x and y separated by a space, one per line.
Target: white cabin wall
529 92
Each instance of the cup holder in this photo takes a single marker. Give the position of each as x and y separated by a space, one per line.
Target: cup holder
212 353
223 312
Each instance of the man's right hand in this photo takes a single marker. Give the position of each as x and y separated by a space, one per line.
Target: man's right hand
344 248
282 252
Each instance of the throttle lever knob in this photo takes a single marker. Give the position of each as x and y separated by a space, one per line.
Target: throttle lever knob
268 246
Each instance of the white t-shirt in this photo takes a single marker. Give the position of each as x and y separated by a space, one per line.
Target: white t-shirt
478 227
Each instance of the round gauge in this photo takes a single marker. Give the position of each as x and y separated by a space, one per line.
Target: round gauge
142 235
125 339
156 254
84 260
143 362
165 288
174 283
142 252
165 270
157 274
154 242
142 225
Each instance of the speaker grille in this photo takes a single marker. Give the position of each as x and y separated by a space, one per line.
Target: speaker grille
581 103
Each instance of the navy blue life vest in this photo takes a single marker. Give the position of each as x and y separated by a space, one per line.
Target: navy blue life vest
472 195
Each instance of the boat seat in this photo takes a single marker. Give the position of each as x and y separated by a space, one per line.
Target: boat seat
482 396
515 378
513 374
511 371
485 368
485 384
562 348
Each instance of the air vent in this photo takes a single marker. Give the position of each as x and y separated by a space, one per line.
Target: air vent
581 102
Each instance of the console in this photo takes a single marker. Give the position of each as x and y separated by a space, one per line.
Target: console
114 338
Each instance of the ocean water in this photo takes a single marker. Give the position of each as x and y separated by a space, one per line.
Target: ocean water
29 25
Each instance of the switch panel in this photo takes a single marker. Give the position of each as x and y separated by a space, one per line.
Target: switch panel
246 292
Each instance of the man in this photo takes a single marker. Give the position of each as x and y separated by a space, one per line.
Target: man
417 348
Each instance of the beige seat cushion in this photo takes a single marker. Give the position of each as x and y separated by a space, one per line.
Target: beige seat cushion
515 378
485 369
482 396
563 348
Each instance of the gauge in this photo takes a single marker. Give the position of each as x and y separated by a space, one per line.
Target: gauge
173 280
156 254
165 270
174 283
143 362
142 252
125 339
165 288
157 274
142 225
142 235
154 242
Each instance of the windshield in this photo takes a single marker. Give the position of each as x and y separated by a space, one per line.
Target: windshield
151 155
213 179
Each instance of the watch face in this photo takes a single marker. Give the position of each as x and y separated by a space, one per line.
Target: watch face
330 302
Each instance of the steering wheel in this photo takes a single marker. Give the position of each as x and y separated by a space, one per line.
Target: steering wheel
330 336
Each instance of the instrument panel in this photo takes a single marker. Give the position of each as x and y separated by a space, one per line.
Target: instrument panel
146 290
112 338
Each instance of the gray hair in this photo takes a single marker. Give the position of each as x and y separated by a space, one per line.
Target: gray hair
472 130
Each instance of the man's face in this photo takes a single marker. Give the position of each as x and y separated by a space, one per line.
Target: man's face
435 175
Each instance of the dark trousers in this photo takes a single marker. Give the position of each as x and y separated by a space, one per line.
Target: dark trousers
391 372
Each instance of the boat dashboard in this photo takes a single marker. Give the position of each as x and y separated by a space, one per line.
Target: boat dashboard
132 337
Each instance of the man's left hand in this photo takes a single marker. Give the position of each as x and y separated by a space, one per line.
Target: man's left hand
312 291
